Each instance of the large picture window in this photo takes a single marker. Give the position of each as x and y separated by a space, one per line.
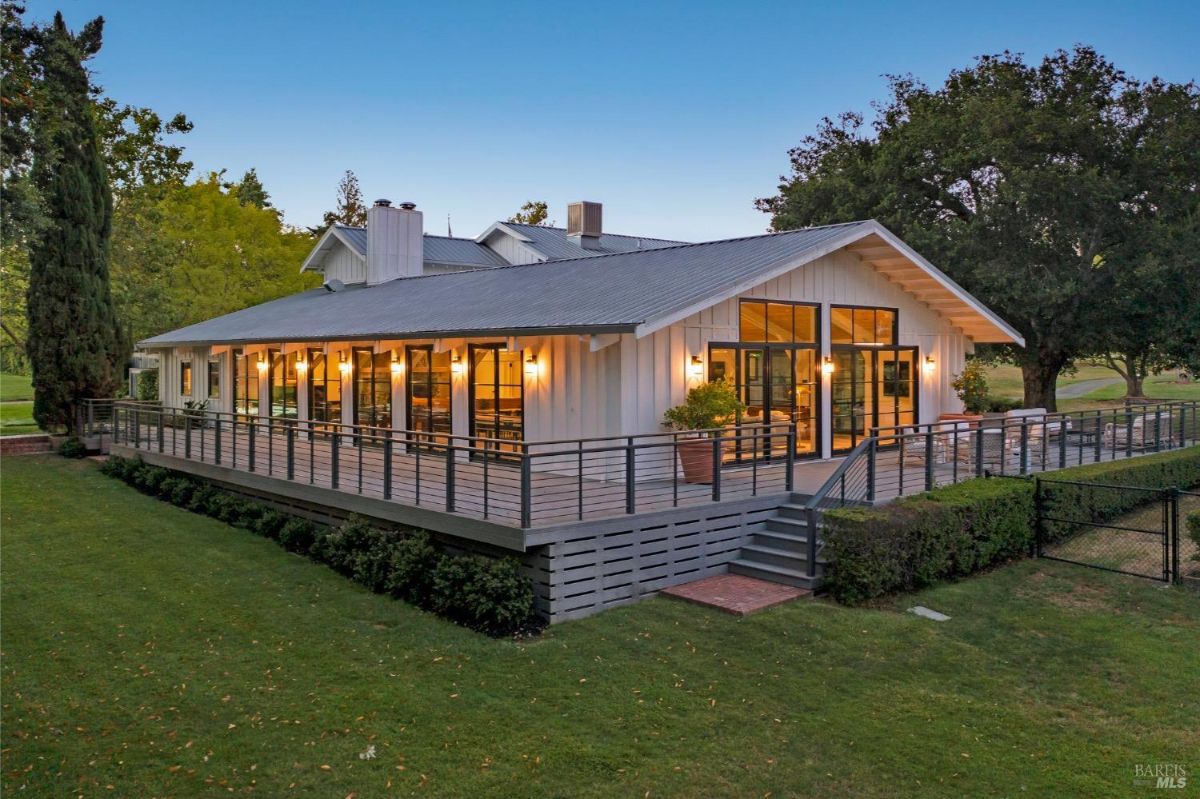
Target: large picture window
874 383
372 388
773 367
497 394
868 326
283 385
245 383
324 388
214 379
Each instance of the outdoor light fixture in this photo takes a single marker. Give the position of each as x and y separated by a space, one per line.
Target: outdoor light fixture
301 364
397 366
531 365
262 363
343 365
929 363
827 366
696 367
456 365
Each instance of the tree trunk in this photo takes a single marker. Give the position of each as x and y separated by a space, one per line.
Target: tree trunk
1040 380
1133 386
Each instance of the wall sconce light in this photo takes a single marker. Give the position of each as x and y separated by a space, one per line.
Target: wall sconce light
397 364
301 364
344 366
827 366
262 363
456 365
531 365
930 363
696 367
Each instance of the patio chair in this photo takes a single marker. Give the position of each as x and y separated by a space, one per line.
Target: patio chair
1140 433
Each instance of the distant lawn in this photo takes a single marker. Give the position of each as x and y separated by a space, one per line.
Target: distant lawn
162 653
16 418
1005 381
15 387
1161 387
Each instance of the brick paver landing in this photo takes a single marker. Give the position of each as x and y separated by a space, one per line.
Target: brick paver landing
735 594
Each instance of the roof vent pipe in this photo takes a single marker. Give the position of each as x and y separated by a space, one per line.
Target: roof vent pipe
408 206
383 204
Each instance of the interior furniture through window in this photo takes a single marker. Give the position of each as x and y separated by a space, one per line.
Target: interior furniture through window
245 383
497 395
427 390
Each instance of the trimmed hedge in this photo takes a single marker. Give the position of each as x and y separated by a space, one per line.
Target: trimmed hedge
481 593
956 530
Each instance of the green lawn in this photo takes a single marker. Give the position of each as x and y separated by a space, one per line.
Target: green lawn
16 418
1161 387
151 652
15 387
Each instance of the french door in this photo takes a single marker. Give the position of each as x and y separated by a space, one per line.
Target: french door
428 391
497 395
778 385
872 387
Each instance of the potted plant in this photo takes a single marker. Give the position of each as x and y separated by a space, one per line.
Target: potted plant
707 407
971 386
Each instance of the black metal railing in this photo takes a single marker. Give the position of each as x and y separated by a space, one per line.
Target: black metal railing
907 459
517 483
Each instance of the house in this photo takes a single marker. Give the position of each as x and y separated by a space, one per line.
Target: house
508 390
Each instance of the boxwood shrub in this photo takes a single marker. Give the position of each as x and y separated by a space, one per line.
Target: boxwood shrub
956 530
488 595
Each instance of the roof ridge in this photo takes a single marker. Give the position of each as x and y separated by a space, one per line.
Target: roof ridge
622 235
634 252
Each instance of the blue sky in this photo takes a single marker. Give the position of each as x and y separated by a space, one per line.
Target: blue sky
675 115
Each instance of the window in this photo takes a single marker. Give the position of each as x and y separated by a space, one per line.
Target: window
214 379
185 378
283 385
870 326
783 322
245 383
372 388
428 388
324 388
497 394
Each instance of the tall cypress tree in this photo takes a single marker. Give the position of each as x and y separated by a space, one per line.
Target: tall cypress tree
75 347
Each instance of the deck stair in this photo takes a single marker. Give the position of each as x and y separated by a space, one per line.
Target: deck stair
778 552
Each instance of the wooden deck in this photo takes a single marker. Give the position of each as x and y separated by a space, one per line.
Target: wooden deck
452 480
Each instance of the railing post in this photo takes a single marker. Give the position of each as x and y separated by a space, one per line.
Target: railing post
1129 432
187 436
630 477
252 434
1157 429
790 478
387 472
450 476
335 458
871 450
137 432
161 435
929 459
526 488
979 450
291 452
716 469
1024 458
217 440
1182 425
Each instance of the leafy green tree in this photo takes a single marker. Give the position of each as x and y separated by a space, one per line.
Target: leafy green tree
242 255
74 344
351 210
137 149
533 212
1023 181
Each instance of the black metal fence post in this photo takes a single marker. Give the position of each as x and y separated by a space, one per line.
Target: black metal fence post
1024 456
217 440
335 459
790 477
187 436
872 448
979 450
630 477
526 488
450 477
716 469
1175 575
252 434
929 459
291 452
387 472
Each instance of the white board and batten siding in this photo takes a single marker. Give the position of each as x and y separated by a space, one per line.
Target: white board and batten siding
344 265
655 367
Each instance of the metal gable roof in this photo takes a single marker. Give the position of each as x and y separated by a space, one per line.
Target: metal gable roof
555 244
620 292
355 237
446 250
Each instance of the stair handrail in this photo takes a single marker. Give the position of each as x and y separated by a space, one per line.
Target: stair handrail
864 453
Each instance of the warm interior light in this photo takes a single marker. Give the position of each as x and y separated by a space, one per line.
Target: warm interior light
456 365
696 366
827 366
531 364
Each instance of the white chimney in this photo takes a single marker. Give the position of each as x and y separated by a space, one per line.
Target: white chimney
585 224
395 242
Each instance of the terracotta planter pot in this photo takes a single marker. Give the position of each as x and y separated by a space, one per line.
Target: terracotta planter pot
696 456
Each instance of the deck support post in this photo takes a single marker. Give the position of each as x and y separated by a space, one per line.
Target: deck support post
387 470
334 457
630 477
790 477
716 469
450 477
291 452
526 493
